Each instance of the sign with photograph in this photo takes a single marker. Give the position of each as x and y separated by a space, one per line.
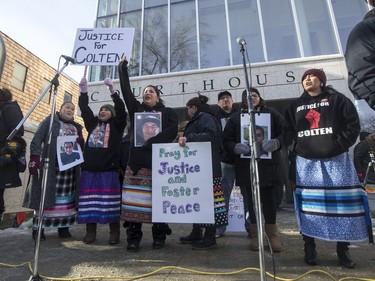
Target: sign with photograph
147 125
182 184
103 46
262 132
69 153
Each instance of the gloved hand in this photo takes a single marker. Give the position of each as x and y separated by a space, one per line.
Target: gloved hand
270 145
241 148
83 88
34 164
109 83
5 161
81 141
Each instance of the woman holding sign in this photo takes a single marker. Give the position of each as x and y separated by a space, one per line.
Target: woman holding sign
203 127
60 207
161 123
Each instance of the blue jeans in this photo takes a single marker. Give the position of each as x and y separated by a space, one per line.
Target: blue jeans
227 180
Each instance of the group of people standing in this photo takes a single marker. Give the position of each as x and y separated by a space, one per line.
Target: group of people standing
318 128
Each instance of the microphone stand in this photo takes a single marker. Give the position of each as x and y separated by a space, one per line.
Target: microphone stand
254 172
35 275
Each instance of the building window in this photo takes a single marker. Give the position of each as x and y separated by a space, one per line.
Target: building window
316 28
67 97
244 23
178 35
2 55
184 48
155 37
47 96
19 76
347 14
131 16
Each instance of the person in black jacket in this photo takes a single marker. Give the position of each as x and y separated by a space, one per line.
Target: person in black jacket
362 157
330 203
226 109
12 162
360 58
137 187
100 193
203 127
269 169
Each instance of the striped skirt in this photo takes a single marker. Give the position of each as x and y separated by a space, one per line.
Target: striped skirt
220 211
330 203
99 198
64 213
137 198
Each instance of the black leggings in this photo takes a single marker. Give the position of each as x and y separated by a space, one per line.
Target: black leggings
268 201
2 206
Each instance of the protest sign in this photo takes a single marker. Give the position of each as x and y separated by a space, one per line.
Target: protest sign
182 185
103 46
262 131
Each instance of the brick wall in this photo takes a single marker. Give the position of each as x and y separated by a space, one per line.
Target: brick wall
37 72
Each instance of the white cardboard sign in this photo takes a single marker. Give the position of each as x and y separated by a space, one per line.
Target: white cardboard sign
103 46
182 186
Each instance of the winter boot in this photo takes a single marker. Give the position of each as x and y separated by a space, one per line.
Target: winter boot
208 241
42 236
344 256
114 233
159 234
90 236
64 232
253 233
134 236
196 235
310 252
271 232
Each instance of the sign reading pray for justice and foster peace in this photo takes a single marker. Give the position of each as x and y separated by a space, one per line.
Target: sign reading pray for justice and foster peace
182 189
103 46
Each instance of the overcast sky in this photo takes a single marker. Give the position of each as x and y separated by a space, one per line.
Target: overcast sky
47 28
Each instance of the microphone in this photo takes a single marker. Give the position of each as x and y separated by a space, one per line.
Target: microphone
241 41
70 59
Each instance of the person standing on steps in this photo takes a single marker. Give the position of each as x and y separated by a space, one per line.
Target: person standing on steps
203 127
269 169
100 192
136 208
61 187
226 109
330 203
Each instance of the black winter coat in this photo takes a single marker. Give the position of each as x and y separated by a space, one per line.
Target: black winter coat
10 116
141 157
269 169
360 59
203 127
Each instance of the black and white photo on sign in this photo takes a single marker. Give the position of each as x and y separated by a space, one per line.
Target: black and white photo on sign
262 132
69 152
147 125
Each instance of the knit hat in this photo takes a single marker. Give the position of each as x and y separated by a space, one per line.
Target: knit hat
110 108
223 93
150 118
318 73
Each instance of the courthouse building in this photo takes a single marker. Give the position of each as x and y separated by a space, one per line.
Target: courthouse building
190 46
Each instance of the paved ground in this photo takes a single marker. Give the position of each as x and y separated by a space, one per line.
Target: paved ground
231 260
